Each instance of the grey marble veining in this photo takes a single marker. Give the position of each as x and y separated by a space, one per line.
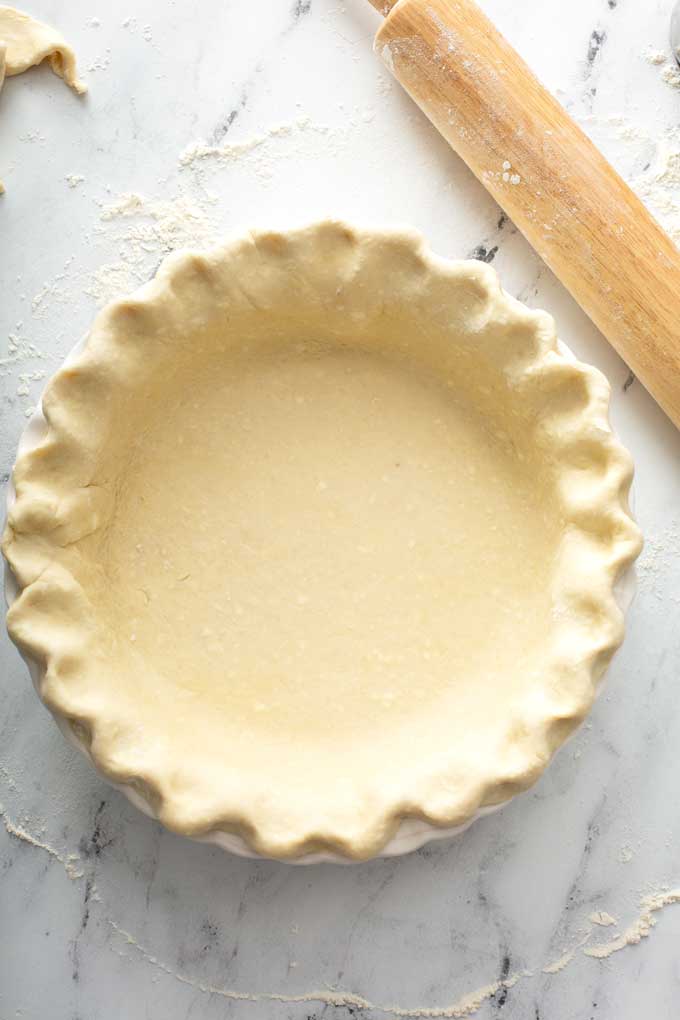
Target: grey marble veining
103 914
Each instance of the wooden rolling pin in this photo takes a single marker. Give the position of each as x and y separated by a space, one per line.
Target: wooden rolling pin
570 204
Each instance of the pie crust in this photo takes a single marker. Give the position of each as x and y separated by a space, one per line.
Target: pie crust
323 535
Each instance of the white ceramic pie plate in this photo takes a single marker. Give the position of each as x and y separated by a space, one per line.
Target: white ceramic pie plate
411 834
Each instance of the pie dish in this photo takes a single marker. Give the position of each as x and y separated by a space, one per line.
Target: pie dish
321 542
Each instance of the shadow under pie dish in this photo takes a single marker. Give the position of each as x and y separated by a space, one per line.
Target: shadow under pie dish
316 554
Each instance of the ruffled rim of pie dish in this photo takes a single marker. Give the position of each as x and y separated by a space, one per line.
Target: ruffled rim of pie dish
569 399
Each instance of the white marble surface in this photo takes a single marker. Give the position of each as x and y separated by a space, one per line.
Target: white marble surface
141 923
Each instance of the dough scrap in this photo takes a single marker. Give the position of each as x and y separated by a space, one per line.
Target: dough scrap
25 42
28 42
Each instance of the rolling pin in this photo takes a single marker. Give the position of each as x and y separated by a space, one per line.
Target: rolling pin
570 204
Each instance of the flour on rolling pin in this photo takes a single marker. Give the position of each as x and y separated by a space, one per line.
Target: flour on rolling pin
547 175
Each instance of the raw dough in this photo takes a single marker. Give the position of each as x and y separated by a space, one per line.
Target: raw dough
324 534
25 42
29 42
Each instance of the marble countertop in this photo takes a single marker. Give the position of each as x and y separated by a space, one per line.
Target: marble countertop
202 119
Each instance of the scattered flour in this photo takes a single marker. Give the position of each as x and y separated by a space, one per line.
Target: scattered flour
602 918
7 777
145 230
660 187
69 861
24 380
384 85
640 929
33 136
656 57
563 961
263 150
50 293
626 854
671 75
101 63
142 230
660 554
465 1006
670 72
659 184
109 281
19 350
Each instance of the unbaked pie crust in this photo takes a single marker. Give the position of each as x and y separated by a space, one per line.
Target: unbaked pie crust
323 535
